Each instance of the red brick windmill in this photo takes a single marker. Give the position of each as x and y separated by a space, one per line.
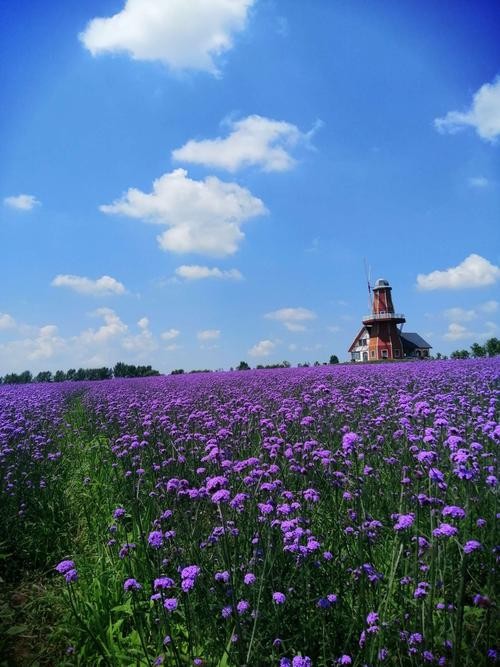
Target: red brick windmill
384 336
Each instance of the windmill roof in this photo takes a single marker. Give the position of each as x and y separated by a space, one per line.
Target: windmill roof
415 340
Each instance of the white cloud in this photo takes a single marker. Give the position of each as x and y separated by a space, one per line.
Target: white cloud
460 314
208 334
483 115
254 140
202 216
170 334
182 34
112 328
103 286
478 182
474 271
22 202
457 331
143 323
6 321
262 349
489 306
292 318
173 347
142 343
334 328
195 272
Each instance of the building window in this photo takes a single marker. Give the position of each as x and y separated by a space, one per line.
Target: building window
355 356
365 356
373 354
396 354
384 354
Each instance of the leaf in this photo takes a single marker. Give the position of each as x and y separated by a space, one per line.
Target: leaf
16 630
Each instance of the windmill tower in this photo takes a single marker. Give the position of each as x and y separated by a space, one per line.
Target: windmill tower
384 336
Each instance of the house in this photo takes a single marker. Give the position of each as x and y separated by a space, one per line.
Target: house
381 336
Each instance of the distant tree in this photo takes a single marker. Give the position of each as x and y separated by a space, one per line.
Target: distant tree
477 350
243 366
439 355
460 354
492 347
71 374
334 359
59 376
44 376
285 364
316 363
18 378
177 371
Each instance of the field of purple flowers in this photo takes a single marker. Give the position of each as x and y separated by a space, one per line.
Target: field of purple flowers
298 517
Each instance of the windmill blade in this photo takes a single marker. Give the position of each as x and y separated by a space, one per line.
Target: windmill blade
368 272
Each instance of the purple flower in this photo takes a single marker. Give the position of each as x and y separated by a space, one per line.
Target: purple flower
279 598
155 539
64 566
249 578
71 576
372 618
162 583
221 496
404 521
453 511
170 604
132 585
118 513
345 660
226 612
445 530
471 545
222 576
242 607
301 661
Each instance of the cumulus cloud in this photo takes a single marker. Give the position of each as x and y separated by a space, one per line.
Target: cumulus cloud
6 321
458 314
170 334
208 334
112 327
254 140
478 182
474 271
103 286
22 202
195 272
262 349
142 343
457 331
202 216
292 318
181 34
483 115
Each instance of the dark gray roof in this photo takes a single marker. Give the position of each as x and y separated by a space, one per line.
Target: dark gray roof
414 340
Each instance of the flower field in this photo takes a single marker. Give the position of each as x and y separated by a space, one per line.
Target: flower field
306 517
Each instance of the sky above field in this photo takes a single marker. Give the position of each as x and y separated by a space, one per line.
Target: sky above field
191 184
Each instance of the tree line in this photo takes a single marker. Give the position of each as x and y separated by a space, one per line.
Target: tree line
120 370
491 348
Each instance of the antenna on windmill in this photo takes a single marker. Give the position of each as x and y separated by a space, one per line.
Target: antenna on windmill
368 273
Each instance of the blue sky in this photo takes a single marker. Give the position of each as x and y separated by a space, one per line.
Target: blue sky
192 184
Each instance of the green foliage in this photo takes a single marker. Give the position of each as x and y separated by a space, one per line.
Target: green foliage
243 366
334 359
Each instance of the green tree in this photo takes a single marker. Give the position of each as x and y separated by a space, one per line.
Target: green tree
243 366
492 346
477 350
460 354
44 376
334 359
59 376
